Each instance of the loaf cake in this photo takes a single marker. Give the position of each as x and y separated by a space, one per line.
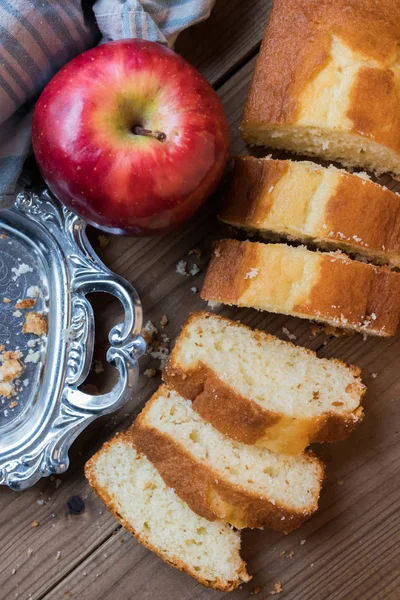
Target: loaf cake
132 489
326 287
221 478
258 389
308 203
327 82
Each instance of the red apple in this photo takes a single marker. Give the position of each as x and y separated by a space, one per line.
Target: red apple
131 137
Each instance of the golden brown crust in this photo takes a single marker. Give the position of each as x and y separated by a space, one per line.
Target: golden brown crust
242 419
245 421
358 215
297 46
248 200
26 303
231 413
363 210
344 292
176 562
356 295
204 489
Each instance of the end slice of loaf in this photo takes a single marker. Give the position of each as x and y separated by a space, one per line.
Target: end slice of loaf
221 478
326 287
258 389
326 83
132 489
326 206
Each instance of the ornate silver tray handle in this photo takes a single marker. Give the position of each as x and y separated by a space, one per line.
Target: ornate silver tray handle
35 439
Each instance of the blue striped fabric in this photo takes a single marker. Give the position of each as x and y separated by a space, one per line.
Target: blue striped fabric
37 37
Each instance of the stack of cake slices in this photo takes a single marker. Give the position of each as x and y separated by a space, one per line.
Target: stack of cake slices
222 446
325 85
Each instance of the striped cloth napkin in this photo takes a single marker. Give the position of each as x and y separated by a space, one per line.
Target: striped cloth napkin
37 37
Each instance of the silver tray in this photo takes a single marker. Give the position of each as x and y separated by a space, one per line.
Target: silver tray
45 245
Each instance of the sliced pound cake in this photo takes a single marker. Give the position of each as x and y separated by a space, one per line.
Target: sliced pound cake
258 389
326 206
326 82
326 287
132 489
221 478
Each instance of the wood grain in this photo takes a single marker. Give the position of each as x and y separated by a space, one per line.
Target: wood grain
352 545
232 35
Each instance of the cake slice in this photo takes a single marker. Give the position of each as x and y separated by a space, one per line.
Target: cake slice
132 489
221 478
308 203
327 82
326 287
258 389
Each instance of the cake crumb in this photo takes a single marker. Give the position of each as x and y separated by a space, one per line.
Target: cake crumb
26 303
288 334
277 588
181 267
34 357
98 367
282 553
213 304
256 590
10 369
32 343
150 373
13 404
302 542
6 300
103 240
21 270
164 321
194 290
251 274
33 291
58 555
195 251
161 354
330 330
17 313
374 375
195 270
35 523
35 323
149 331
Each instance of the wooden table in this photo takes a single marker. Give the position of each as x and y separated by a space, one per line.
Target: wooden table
349 550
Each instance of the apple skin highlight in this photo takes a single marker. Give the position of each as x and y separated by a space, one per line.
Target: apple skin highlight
89 143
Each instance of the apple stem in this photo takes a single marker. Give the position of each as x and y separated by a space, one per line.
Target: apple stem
158 135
